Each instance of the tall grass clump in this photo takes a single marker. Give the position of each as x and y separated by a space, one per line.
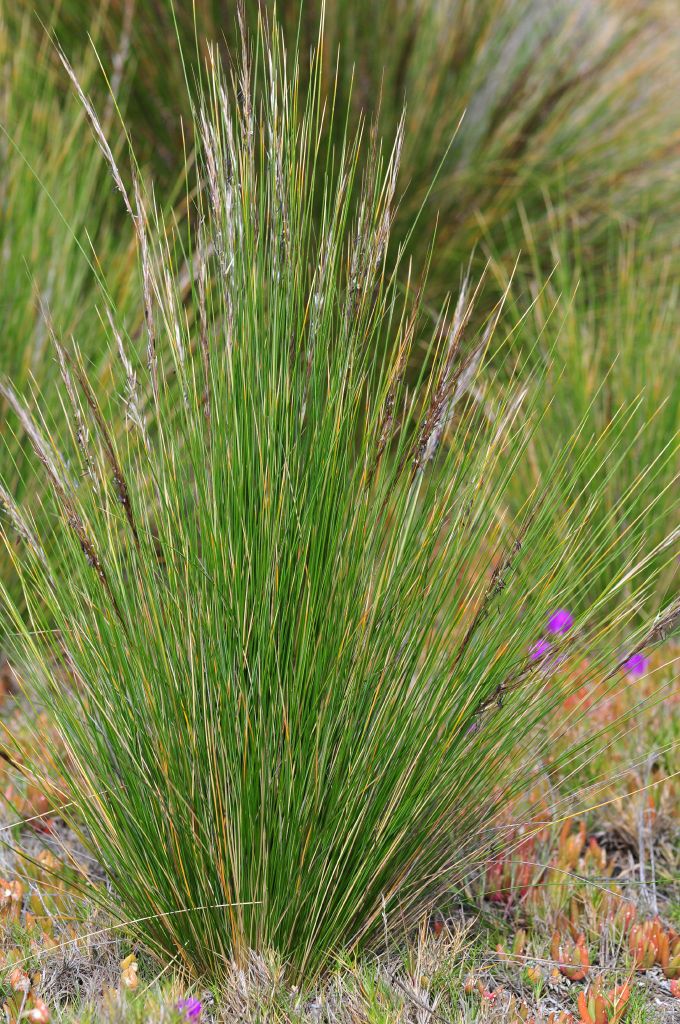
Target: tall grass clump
564 97
284 633
56 206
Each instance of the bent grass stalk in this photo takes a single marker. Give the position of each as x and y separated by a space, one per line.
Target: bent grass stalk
296 624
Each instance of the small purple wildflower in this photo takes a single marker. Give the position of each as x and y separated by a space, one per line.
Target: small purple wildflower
190 1008
636 665
560 621
540 648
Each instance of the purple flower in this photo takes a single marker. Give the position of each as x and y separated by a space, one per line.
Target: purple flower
560 621
636 665
540 648
190 1008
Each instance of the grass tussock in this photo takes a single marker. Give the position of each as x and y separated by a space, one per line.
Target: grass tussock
285 634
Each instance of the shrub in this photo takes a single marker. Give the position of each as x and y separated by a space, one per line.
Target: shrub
295 628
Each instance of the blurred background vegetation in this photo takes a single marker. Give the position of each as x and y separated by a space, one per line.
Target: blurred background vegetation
508 102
